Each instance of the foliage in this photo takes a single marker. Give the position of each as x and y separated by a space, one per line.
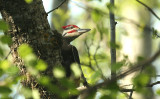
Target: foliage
95 59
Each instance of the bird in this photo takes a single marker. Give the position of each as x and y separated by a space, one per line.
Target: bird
69 52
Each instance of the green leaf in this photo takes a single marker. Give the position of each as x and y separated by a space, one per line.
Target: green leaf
95 77
113 45
3 25
67 83
24 50
28 1
12 70
4 65
5 89
59 72
111 7
32 71
41 65
76 70
1 52
35 94
96 15
113 87
26 92
44 80
5 39
140 81
158 92
117 65
30 60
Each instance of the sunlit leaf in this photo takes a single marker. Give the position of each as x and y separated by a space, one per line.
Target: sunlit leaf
5 64
28 1
59 72
41 65
35 94
75 68
30 60
95 76
24 50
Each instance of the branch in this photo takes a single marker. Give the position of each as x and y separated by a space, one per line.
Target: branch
131 90
122 75
149 9
140 65
155 83
127 90
56 7
113 40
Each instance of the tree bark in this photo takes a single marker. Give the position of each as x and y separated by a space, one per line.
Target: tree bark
28 24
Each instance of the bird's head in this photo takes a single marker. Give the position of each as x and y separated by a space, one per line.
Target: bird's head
71 32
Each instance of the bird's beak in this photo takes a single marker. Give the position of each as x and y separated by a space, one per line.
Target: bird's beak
83 30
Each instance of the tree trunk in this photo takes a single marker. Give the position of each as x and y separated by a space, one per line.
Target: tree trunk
28 24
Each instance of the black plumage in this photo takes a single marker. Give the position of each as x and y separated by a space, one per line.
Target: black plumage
70 56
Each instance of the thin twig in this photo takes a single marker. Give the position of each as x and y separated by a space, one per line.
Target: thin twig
149 9
89 9
131 90
94 57
57 6
155 83
7 55
88 52
127 90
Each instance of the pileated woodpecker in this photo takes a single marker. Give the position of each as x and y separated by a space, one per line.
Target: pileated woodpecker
69 52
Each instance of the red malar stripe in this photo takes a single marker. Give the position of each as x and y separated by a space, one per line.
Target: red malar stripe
72 31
